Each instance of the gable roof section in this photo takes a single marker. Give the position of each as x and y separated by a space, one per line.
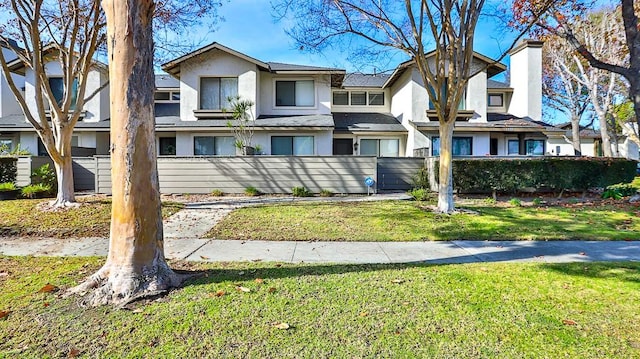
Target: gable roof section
493 67
498 85
19 67
365 80
352 122
173 67
166 81
279 67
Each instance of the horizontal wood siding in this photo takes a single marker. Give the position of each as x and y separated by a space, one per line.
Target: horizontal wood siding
84 173
269 174
23 175
397 173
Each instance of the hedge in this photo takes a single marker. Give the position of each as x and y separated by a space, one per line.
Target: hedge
548 173
8 169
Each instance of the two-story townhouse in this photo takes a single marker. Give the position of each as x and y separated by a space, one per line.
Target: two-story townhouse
91 133
292 104
10 111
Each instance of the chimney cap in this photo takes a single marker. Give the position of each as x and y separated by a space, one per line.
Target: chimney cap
526 43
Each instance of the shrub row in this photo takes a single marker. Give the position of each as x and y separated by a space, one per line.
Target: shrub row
555 174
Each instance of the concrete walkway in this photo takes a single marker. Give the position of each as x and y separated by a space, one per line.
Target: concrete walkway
185 229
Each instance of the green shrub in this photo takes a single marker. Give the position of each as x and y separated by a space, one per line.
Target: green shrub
516 202
421 179
551 173
621 189
537 201
7 186
35 190
490 201
251 191
301 192
217 193
8 169
421 194
45 175
326 193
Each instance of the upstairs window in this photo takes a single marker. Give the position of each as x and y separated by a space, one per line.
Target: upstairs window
300 93
216 91
443 94
376 98
495 100
358 98
341 98
57 87
166 96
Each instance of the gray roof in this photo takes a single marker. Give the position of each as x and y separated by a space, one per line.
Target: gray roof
166 81
19 123
365 80
279 66
263 122
493 84
367 122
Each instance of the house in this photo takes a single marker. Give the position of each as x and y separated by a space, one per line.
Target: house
591 142
311 110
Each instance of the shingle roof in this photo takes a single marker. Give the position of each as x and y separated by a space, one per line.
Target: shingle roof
493 84
279 66
280 122
166 81
367 122
365 80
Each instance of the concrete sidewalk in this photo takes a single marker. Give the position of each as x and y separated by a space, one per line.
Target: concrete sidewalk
209 250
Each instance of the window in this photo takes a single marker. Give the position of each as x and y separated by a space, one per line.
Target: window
210 145
166 96
495 100
74 141
534 147
513 147
381 147
216 91
358 98
462 146
443 93
57 87
292 145
341 98
299 93
167 146
376 98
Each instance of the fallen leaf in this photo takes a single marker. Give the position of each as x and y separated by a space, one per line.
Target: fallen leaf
283 326
278 265
204 257
219 293
73 352
243 289
48 288
569 322
272 289
46 304
259 280
4 313
137 310
398 281
364 314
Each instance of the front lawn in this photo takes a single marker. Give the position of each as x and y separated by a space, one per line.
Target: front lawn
91 219
413 221
260 310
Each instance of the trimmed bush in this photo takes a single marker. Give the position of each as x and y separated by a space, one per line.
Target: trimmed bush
421 194
301 192
326 193
251 191
8 169
550 173
38 190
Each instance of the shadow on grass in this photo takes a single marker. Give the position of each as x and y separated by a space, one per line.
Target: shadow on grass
628 272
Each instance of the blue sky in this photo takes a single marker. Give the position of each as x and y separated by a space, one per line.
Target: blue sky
249 27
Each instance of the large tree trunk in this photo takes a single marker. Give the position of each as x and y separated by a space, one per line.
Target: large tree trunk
575 136
135 265
64 170
445 185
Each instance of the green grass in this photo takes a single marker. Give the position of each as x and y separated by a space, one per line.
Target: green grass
582 310
90 219
412 221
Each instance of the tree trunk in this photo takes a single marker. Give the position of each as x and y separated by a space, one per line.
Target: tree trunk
64 170
575 136
135 264
604 133
445 185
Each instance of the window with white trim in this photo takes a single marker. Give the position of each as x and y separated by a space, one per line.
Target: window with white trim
298 93
380 147
166 96
292 145
534 147
495 100
461 146
358 98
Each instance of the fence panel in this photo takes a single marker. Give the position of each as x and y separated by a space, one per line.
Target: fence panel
397 173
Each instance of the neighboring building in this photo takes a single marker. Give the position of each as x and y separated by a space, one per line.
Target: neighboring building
311 110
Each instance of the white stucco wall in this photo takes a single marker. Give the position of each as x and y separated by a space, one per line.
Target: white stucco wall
526 81
267 103
215 64
8 103
94 109
476 97
402 107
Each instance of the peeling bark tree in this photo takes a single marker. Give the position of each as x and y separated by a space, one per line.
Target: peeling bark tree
135 265
407 26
